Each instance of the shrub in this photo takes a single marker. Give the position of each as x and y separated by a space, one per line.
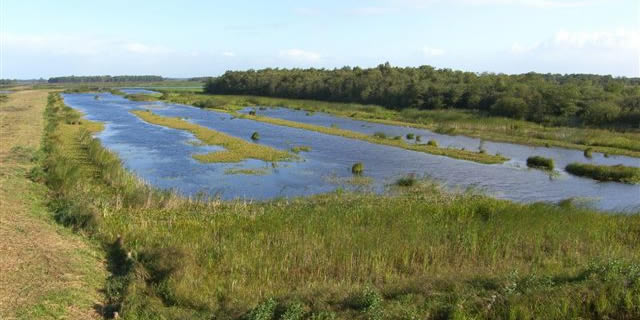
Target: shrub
252 112
410 136
357 168
432 143
407 181
588 153
397 137
418 138
540 162
255 136
617 173
380 135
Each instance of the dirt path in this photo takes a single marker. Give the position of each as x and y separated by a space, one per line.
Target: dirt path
46 271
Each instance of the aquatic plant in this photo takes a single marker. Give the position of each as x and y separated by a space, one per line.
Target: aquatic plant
252 112
410 136
619 173
255 135
380 135
357 168
418 138
432 143
540 162
298 149
408 181
588 153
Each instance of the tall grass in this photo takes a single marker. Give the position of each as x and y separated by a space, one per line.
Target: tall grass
619 173
420 253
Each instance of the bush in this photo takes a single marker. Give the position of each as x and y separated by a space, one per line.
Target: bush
540 162
410 136
380 135
617 173
432 143
255 136
357 168
588 153
418 138
252 112
407 181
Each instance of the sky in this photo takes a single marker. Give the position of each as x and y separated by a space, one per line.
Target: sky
188 38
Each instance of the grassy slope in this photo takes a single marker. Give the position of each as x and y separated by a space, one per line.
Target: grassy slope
450 122
236 149
421 253
46 271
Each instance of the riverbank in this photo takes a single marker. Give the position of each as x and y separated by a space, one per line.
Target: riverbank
47 271
416 252
441 121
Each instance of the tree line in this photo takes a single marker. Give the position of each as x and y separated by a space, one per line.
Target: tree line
573 99
85 79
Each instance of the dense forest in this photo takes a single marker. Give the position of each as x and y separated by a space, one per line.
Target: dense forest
83 79
575 99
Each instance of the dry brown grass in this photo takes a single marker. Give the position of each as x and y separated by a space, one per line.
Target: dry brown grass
46 271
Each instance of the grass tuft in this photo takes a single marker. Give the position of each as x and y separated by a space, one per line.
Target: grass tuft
540 163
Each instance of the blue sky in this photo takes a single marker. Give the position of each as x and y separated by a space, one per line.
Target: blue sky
201 38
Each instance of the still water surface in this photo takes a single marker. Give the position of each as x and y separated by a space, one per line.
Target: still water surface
162 157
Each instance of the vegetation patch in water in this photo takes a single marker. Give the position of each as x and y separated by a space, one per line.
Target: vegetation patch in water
540 163
588 153
236 149
255 171
141 97
432 143
357 168
618 173
381 138
298 149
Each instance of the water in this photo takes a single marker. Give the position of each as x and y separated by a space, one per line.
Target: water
162 157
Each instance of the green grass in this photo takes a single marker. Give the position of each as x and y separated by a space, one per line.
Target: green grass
617 173
141 97
255 172
540 163
236 149
419 252
473 124
298 149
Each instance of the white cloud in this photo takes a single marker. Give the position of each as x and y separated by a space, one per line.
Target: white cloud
609 51
228 54
432 52
78 45
300 55
614 41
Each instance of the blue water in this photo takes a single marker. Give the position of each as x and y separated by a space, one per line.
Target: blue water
162 157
